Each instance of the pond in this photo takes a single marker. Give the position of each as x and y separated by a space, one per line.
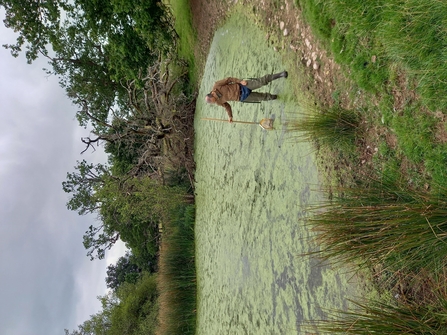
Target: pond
253 187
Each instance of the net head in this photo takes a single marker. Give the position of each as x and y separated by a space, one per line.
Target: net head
266 124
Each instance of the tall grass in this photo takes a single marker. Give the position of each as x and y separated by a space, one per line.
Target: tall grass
390 48
384 223
335 127
176 278
347 28
391 319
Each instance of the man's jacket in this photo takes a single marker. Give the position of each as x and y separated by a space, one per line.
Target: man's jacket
227 90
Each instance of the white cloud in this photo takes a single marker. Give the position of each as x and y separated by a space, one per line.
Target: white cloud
88 283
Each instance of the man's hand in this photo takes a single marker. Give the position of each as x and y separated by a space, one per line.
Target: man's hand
230 119
243 82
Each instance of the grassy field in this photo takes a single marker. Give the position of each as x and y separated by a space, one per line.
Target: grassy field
391 47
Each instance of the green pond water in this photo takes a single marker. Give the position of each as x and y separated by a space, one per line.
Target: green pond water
253 189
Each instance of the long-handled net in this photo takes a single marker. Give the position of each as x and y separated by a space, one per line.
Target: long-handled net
264 123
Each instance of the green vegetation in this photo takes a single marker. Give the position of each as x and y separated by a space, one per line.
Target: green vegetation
335 127
127 269
393 46
385 223
181 11
370 36
384 318
132 309
365 38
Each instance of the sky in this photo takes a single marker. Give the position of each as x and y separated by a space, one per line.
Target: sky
47 283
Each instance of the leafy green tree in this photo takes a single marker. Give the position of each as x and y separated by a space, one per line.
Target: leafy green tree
125 270
35 21
96 47
138 309
132 30
131 310
135 208
128 269
99 323
83 184
128 207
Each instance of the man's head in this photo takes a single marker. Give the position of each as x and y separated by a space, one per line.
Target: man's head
210 98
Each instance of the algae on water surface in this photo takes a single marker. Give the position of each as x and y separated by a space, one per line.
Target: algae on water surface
253 188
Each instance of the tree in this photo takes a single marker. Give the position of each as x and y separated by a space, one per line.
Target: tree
83 185
35 21
85 70
134 209
160 115
132 29
128 207
96 46
132 309
138 308
127 269
99 323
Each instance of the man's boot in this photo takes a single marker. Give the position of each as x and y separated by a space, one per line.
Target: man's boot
283 74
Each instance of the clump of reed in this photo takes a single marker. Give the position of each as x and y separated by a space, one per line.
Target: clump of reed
176 280
377 317
334 126
384 223
421 311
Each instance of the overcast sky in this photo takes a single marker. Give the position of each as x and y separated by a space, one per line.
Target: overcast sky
47 283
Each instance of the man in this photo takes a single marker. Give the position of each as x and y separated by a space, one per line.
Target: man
233 89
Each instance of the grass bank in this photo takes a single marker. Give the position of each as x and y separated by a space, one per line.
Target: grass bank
176 279
395 52
370 36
